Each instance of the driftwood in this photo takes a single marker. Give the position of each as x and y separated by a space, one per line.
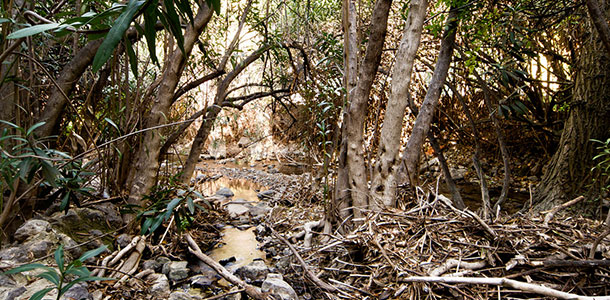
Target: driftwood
313 277
522 286
452 263
551 213
252 291
130 266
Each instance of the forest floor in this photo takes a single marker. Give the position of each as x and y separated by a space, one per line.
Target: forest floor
426 249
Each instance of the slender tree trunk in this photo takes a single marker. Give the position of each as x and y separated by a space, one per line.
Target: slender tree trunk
567 174
424 118
342 196
213 111
384 181
147 158
358 107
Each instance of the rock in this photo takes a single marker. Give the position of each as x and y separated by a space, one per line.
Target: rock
39 248
236 210
123 240
77 292
225 192
14 255
458 173
70 246
110 214
97 295
268 194
15 293
176 270
260 209
162 260
151 264
160 286
243 142
280 289
255 271
182 296
32 228
204 280
261 229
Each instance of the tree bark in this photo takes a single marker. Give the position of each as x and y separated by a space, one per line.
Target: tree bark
424 118
384 179
358 107
147 159
213 111
567 173
339 208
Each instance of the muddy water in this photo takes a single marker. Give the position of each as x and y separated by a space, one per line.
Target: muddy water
240 244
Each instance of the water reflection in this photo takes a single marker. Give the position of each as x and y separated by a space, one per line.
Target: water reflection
240 244
242 188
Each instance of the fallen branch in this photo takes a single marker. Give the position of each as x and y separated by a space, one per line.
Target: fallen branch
323 285
522 286
252 291
452 263
468 213
131 264
551 213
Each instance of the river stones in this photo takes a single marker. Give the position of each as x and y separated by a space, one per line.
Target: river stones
176 270
255 271
160 287
280 289
225 192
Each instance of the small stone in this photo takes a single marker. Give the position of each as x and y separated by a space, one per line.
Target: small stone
236 210
123 240
255 271
162 260
225 192
177 270
14 254
40 248
15 293
31 228
261 229
260 209
280 289
97 295
160 286
182 296
77 292
151 264
204 280
268 194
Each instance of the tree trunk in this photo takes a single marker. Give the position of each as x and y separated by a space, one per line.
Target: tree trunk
147 159
358 107
567 173
213 111
424 118
384 181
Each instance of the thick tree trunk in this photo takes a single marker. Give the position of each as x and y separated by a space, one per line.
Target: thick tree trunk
384 181
424 118
358 107
147 159
567 173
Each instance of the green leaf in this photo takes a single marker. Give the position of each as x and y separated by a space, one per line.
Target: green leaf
38 295
26 268
190 205
215 4
146 226
133 60
174 24
29 31
49 172
51 276
113 124
92 253
185 7
116 34
79 271
59 258
150 33
171 206
64 202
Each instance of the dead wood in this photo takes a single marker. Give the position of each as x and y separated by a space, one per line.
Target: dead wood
551 213
313 277
522 286
252 291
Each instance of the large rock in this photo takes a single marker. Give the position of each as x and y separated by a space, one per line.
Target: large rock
259 210
280 289
77 292
255 271
31 229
